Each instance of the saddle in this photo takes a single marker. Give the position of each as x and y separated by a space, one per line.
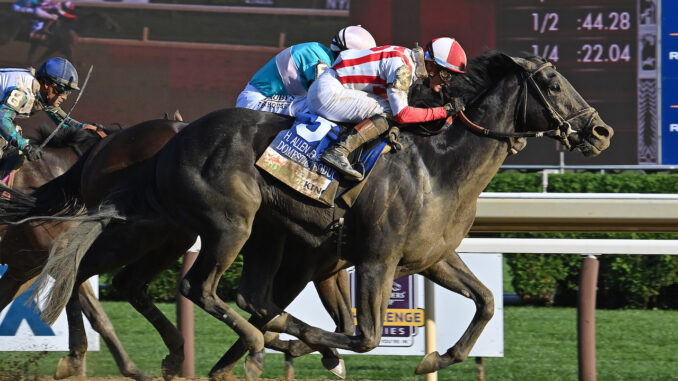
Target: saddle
293 157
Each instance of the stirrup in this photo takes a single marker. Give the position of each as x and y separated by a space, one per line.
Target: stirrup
345 168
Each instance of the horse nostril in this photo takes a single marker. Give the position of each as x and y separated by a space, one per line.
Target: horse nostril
602 131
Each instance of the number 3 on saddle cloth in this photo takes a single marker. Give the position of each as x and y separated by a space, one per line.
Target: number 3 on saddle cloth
294 158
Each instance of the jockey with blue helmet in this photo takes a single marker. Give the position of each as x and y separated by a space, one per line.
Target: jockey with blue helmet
281 85
24 92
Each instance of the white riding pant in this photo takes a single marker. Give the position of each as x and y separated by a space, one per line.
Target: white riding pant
328 98
196 246
280 104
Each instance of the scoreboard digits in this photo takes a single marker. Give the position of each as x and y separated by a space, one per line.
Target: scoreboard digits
594 44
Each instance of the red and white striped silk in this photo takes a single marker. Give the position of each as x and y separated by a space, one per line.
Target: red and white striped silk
372 70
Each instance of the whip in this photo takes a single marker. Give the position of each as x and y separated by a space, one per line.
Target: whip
82 90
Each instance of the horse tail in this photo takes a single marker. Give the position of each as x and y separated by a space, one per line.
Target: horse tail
63 262
58 197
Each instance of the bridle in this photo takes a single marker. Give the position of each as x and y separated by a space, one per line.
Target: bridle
563 127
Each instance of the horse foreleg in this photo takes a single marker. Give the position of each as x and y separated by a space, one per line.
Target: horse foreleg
452 273
74 363
335 294
100 323
374 289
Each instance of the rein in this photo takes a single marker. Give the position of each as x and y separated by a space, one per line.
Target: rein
561 132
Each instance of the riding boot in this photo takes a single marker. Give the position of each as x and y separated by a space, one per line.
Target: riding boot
337 155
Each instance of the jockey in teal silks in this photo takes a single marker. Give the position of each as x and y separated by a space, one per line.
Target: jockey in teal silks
25 92
281 85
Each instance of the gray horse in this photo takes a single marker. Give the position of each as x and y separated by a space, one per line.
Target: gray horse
412 214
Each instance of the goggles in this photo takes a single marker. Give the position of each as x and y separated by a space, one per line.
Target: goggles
60 89
445 75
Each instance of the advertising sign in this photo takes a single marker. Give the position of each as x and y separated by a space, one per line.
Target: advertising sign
402 317
403 331
22 330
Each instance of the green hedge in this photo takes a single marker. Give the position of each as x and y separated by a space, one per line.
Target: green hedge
164 287
624 281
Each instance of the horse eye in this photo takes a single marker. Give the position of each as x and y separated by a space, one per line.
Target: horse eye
554 87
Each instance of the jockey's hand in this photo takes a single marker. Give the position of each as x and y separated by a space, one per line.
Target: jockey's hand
453 108
32 152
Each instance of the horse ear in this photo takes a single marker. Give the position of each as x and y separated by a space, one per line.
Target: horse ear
523 63
177 116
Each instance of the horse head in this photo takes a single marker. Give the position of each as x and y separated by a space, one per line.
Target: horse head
550 103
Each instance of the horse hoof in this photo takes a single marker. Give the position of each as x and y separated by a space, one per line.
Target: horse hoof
254 365
336 366
428 364
171 366
68 367
223 375
137 375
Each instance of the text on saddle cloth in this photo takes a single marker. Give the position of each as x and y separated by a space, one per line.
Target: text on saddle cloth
293 157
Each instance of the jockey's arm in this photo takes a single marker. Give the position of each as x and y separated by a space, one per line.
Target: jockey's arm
58 115
403 113
8 129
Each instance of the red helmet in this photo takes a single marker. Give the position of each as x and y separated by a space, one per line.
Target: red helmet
69 5
446 52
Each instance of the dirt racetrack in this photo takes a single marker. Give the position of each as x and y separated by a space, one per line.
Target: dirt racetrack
182 379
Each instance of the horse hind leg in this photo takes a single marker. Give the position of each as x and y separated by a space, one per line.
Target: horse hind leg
132 282
200 286
74 363
452 273
100 323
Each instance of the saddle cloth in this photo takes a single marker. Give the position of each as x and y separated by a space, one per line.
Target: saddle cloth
293 157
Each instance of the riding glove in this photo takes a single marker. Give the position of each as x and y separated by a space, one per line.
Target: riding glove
32 152
453 108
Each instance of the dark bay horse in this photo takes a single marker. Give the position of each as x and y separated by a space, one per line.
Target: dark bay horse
411 215
113 161
25 247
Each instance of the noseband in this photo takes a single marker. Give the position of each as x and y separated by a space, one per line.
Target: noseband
561 132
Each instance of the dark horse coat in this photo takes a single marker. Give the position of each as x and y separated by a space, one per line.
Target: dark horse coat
25 247
412 214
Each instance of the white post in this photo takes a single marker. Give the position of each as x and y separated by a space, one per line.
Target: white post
430 324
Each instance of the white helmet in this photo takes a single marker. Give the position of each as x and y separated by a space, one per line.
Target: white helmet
352 37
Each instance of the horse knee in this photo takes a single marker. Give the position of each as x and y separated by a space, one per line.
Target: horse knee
252 305
486 305
368 343
242 302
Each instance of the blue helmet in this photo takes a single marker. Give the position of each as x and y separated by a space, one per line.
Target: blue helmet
59 72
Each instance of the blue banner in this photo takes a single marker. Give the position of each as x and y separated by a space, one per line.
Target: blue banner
669 106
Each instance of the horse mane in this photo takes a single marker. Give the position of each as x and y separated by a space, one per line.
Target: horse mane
67 137
482 74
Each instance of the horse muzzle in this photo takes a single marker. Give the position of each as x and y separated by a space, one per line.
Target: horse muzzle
593 138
